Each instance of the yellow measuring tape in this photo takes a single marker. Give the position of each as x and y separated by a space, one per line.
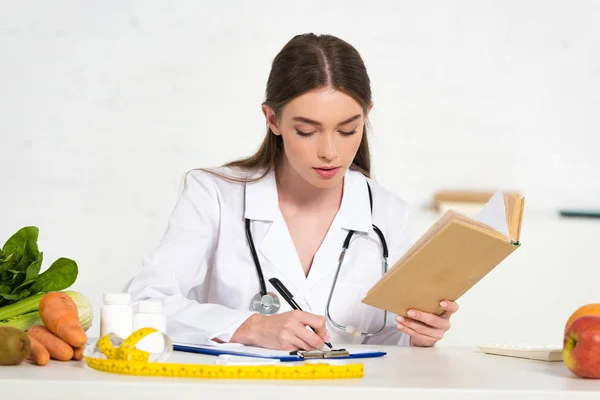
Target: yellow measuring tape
129 360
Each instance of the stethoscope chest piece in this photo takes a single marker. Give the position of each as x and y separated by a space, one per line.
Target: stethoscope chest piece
267 304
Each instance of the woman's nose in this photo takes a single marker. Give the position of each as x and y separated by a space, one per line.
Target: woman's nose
327 150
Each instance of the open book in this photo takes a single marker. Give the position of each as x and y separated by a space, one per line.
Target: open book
451 257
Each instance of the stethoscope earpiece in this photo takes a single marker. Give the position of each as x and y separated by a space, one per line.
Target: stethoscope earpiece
267 304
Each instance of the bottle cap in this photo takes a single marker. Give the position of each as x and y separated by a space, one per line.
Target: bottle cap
150 306
117 298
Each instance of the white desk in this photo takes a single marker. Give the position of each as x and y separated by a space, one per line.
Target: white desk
414 373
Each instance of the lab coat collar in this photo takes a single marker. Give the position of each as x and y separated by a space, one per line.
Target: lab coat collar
261 202
276 244
355 210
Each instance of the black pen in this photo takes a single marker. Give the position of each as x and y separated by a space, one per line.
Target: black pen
289 298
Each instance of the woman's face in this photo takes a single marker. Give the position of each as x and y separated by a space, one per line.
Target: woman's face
321 131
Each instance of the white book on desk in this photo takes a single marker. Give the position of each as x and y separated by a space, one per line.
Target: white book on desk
529 350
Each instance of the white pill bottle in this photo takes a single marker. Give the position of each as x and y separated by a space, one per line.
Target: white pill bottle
116 314
150 315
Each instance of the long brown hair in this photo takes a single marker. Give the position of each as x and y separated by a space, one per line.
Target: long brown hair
305 63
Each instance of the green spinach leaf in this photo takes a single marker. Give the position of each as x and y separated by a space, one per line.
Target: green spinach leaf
20 266
32 272
31 250
17 243
6 264
61 275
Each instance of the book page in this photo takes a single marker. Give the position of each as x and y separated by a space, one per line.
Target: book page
493 214
514 214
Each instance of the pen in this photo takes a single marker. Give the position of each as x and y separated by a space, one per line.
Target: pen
289 298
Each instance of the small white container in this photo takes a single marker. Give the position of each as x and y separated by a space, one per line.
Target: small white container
150 315
116 315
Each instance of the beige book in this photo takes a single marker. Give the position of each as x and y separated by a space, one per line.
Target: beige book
451 257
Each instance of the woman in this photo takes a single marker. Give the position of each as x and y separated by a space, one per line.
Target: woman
298 197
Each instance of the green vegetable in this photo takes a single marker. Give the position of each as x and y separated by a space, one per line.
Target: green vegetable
20 265
25 313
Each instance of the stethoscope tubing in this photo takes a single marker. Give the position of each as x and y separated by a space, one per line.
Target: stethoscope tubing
345 246
261 278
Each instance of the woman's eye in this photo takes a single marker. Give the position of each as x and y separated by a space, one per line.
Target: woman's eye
299 132
348 133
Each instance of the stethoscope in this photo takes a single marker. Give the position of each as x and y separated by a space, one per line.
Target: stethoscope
268 303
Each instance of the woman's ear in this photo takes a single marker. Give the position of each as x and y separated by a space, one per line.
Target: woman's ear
271 119
369 109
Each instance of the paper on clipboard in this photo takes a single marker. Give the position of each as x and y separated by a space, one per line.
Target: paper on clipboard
225 348
259 352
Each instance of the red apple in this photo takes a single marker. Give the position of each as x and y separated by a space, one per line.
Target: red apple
581 347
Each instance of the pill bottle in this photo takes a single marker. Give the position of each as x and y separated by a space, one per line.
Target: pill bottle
150 315
116 315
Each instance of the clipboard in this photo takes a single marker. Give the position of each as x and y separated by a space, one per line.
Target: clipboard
281 355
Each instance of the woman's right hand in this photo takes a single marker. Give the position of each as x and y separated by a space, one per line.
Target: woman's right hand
285 331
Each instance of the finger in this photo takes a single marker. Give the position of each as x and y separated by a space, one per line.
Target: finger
317 322
300 344
291 342
430 319
309 337
450 307
417 338
421 328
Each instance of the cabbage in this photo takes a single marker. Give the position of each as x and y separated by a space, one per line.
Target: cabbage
25 313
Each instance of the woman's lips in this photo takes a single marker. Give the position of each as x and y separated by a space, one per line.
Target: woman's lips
327 172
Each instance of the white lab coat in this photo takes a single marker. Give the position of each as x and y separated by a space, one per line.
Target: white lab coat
203 270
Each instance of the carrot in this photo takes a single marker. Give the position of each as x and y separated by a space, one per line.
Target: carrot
78 353
57 348
38 354
59 313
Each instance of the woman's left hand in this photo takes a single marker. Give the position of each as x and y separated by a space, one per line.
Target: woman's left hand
426 329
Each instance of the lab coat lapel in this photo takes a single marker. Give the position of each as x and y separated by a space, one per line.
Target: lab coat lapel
277 246
270 234
354 214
